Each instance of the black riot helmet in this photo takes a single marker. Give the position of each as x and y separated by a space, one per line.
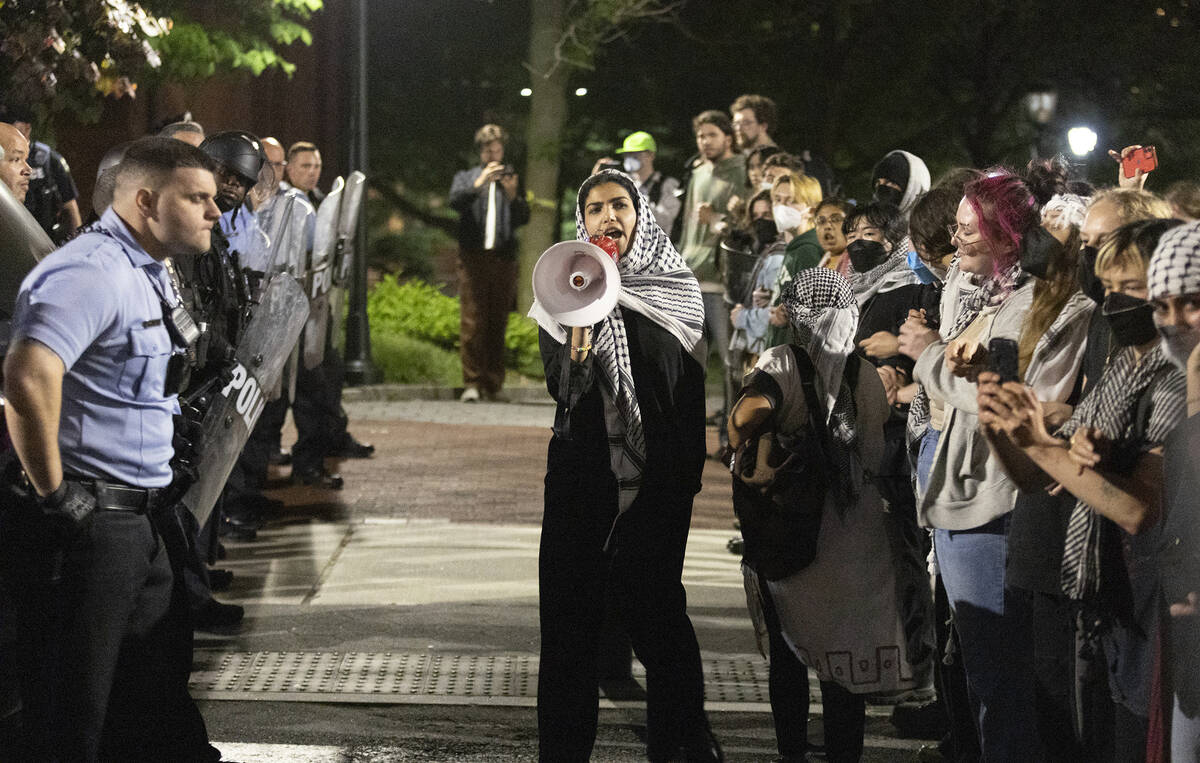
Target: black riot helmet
240 152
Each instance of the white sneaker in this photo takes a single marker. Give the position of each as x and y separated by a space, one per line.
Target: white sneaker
469 395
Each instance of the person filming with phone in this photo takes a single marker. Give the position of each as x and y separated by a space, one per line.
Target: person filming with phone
1108 455
490 208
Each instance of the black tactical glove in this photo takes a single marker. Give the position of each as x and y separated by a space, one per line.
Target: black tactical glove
69 508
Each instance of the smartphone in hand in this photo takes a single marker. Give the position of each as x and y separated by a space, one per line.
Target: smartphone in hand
1003 356
1144 159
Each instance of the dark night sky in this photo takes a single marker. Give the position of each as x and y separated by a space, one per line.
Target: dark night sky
903 74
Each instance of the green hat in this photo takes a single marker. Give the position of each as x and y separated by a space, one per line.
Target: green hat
638 141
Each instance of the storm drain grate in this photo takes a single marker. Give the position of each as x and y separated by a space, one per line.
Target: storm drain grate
408 677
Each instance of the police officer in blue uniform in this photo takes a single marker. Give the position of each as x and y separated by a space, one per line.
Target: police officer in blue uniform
98 335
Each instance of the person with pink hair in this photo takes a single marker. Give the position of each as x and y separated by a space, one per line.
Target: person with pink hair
967 498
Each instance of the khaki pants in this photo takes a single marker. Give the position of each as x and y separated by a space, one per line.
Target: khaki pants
487 291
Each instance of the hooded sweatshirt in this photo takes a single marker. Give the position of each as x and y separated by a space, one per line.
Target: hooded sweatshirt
907 171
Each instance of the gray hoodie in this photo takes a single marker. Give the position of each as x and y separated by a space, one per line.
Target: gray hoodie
967 487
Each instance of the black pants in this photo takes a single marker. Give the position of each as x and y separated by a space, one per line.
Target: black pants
105 642
643 570
317 411
845 713
1053 657
787 683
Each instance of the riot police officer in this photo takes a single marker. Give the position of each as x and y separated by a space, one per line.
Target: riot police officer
216 290
90 379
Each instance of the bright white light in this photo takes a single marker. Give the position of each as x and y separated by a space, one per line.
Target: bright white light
1082 140
525 91
581 91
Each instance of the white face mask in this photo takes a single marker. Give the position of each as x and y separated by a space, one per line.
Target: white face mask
787 218
1177 344
764 185
632 164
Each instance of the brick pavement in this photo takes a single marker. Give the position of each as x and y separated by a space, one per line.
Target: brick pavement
461 472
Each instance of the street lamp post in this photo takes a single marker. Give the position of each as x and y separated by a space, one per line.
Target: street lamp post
359 369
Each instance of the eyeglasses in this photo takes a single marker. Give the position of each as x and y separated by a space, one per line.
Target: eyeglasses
953 230
831 220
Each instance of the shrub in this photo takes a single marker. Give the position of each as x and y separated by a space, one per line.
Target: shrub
403 359
417 310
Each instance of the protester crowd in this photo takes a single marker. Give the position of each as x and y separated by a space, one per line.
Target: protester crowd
125 360
957 416
953 443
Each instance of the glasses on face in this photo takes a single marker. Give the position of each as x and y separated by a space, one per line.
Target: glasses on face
963 235
831 220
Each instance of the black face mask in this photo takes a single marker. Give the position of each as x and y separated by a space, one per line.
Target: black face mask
1089 282
865 254
888 195
1038 249
1131 319
765 231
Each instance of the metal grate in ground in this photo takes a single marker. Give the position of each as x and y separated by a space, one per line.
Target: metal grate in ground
429 678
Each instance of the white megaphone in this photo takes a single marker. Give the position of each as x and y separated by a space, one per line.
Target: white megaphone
576 282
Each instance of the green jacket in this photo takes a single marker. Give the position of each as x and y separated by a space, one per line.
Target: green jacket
715 184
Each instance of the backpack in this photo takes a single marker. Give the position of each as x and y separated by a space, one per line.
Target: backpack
780 483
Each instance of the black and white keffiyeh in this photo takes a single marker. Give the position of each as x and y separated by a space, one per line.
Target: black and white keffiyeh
657 283
1175 266
822 310
892 273
824 315
1113 407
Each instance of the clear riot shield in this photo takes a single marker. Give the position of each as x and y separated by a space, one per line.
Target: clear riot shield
22 244
289 220
319 277
235 408
344 253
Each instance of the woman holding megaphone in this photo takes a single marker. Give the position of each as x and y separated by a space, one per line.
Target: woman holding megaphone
623 468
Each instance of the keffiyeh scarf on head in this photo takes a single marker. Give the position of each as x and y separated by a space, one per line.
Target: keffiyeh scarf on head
657 283
824 315
990 295
892 273
822 310
1175 266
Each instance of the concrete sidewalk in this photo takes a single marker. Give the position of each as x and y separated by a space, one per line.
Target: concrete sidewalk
397 619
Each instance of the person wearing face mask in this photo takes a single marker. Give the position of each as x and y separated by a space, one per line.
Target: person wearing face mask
899 179
623 468
1108 210
1174 278
793 198
637 159
750 321
886 289
966 498
1108 455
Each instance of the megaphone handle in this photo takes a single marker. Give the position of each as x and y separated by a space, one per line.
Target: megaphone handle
581 343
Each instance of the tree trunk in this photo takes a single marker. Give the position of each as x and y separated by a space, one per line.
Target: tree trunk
543 139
